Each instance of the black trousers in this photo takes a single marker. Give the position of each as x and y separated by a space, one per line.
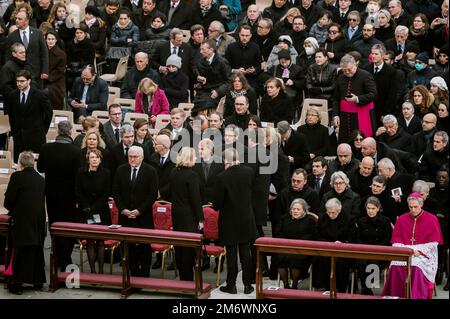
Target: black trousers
140 257
246 264
185 258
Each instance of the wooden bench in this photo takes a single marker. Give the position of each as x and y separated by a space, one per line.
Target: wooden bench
4 232
128 236
325 249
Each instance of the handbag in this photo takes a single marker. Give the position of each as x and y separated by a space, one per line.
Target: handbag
115 53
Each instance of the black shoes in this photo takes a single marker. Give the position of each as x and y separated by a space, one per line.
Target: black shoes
229 289
248 289
15 288
156 265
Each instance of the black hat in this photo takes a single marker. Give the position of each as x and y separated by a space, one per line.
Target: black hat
284 54
444 49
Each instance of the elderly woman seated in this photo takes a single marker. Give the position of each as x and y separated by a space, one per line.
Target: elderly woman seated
298 224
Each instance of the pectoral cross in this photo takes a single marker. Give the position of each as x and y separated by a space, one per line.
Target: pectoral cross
413 232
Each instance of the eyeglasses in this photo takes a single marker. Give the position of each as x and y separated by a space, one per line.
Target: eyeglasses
333 31
359 139
115 114
338 183
352 19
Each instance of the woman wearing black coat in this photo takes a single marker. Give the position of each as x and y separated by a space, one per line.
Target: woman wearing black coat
56 81
298 224
316 133
158 28
25 200
336 44
275 105
335 227
237 86
96 28
372 229
187 214
92 190
321 77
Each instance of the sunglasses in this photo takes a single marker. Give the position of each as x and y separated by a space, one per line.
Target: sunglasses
333 32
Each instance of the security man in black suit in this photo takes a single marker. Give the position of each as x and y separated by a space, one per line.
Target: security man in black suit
30 115
134 190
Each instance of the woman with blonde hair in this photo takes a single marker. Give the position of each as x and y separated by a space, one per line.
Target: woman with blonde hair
87 123
187 214
275 105
91 141
284 26
151 100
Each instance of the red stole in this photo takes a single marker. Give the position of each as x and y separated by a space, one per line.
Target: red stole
363 113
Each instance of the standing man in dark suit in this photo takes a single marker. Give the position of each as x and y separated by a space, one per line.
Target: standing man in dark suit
237 228
135 189
178 13
34 42
119 153
60 161
162 163
30 115
386 82
111 129
174 46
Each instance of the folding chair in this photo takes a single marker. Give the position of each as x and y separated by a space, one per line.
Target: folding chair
61 115
321 105
6 159
114 93
102 116
161 121
4 124
126 104
3 210
130 117
162 219
211 233
110 245
121 70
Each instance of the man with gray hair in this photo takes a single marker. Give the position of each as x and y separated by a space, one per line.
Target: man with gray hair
141 69
435 158
216 32
353 106
344 161
394 135
60 162
399 15
400 43
294 145
386 79
135 189
9 70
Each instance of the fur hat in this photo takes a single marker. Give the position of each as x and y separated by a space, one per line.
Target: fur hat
92 10
313 42
286 39
439 82
174 60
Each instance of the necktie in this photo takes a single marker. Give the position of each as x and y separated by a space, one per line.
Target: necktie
116 134
85 91
400 49
162 160
25 39
376 70
342 15
174 50
23 101
133 177
317 184
206 169
126 152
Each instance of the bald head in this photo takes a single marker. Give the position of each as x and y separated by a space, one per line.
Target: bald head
369 147
366 166
429 121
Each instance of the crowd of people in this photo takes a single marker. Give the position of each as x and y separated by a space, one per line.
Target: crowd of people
376 174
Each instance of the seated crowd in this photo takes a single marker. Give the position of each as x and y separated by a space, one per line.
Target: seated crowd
351 172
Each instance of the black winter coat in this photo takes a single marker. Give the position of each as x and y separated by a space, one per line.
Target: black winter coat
350 201
318 138
373 230
339 47
321 80
175 85
276 109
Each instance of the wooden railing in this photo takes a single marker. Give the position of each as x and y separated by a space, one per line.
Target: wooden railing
127 236
325 249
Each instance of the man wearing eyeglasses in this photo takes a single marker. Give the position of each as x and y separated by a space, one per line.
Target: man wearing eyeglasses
111 128
353 32
89 93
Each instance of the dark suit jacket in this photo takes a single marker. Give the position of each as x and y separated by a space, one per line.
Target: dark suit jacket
297 147
29 123
232 198
117 156
387 87
109 136
207 183
182 16
391 45
141 195
37 51
163 173
357 36
97 94
185 52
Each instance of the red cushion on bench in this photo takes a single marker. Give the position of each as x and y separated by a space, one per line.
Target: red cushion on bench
85 277
294 294
159 247
331 246
4 218
214 250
